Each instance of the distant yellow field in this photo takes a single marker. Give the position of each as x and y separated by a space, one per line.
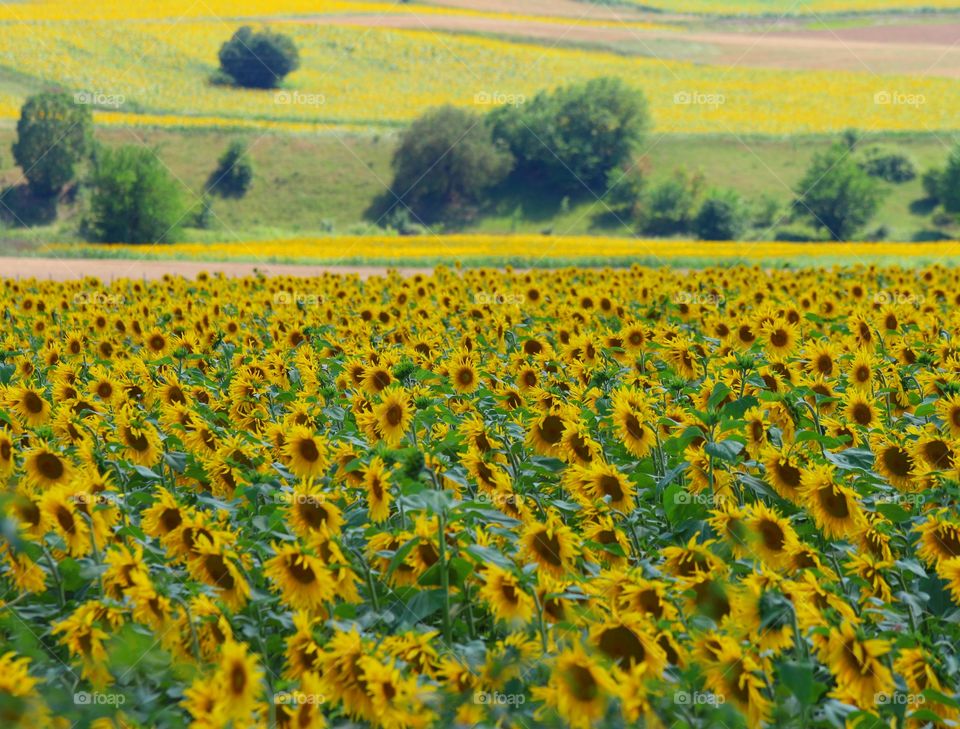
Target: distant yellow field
158 73
531 249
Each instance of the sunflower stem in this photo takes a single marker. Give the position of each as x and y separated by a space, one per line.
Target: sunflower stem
56 575
543 627
444 578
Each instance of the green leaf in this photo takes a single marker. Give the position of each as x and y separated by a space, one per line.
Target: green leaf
798 677
725 450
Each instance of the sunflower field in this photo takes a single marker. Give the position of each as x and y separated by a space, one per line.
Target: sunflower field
572 498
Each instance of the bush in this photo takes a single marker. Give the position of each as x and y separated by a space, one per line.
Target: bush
446 163
133 198
721 217
668 209
234 172
575 136
950 183
258 60
932 180
624 194
889 165
836 195
53 135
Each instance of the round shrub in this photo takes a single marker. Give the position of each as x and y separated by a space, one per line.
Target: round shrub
258 59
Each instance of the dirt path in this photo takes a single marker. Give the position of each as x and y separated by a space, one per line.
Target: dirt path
932 50
70 269
554 8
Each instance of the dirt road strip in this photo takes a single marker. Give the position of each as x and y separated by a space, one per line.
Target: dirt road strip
71 269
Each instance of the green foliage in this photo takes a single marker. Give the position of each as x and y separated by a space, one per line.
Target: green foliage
721 216
625 189
932 179
53 135
258 60
670 206
234 173
890 165
836 194
950 183
573 137
446 163
133 198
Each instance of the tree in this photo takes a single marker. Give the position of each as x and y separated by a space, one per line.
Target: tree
133 198
234 172
53 135
949 183
668 208
258 60
721 217
574 137
446 162
836 194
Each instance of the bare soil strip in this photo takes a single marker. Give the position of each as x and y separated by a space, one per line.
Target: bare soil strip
932 50
72 269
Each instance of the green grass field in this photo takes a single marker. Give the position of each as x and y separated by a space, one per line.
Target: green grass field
310 184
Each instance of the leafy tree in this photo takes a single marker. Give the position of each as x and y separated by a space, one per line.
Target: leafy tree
53 135
258 60
234 173
669 207
721 217
932 181
949 183
575 136
446 163
133 198
836 194
890 165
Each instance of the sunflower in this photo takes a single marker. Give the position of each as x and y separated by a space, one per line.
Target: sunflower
948 408
834 507
552 545
7 452
605 483
394 414
822 359
893 460
577 446
861 410
311 511
238 679
376 378
737 676
779 338
164 516
211 564
773 538
141 442
47 468
546 434
504 596
301 578
858 666
939 539
303 651
464 378
30 405
630 642
579 689
305 452
932 449
860 375
783 473
376 480
630 417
